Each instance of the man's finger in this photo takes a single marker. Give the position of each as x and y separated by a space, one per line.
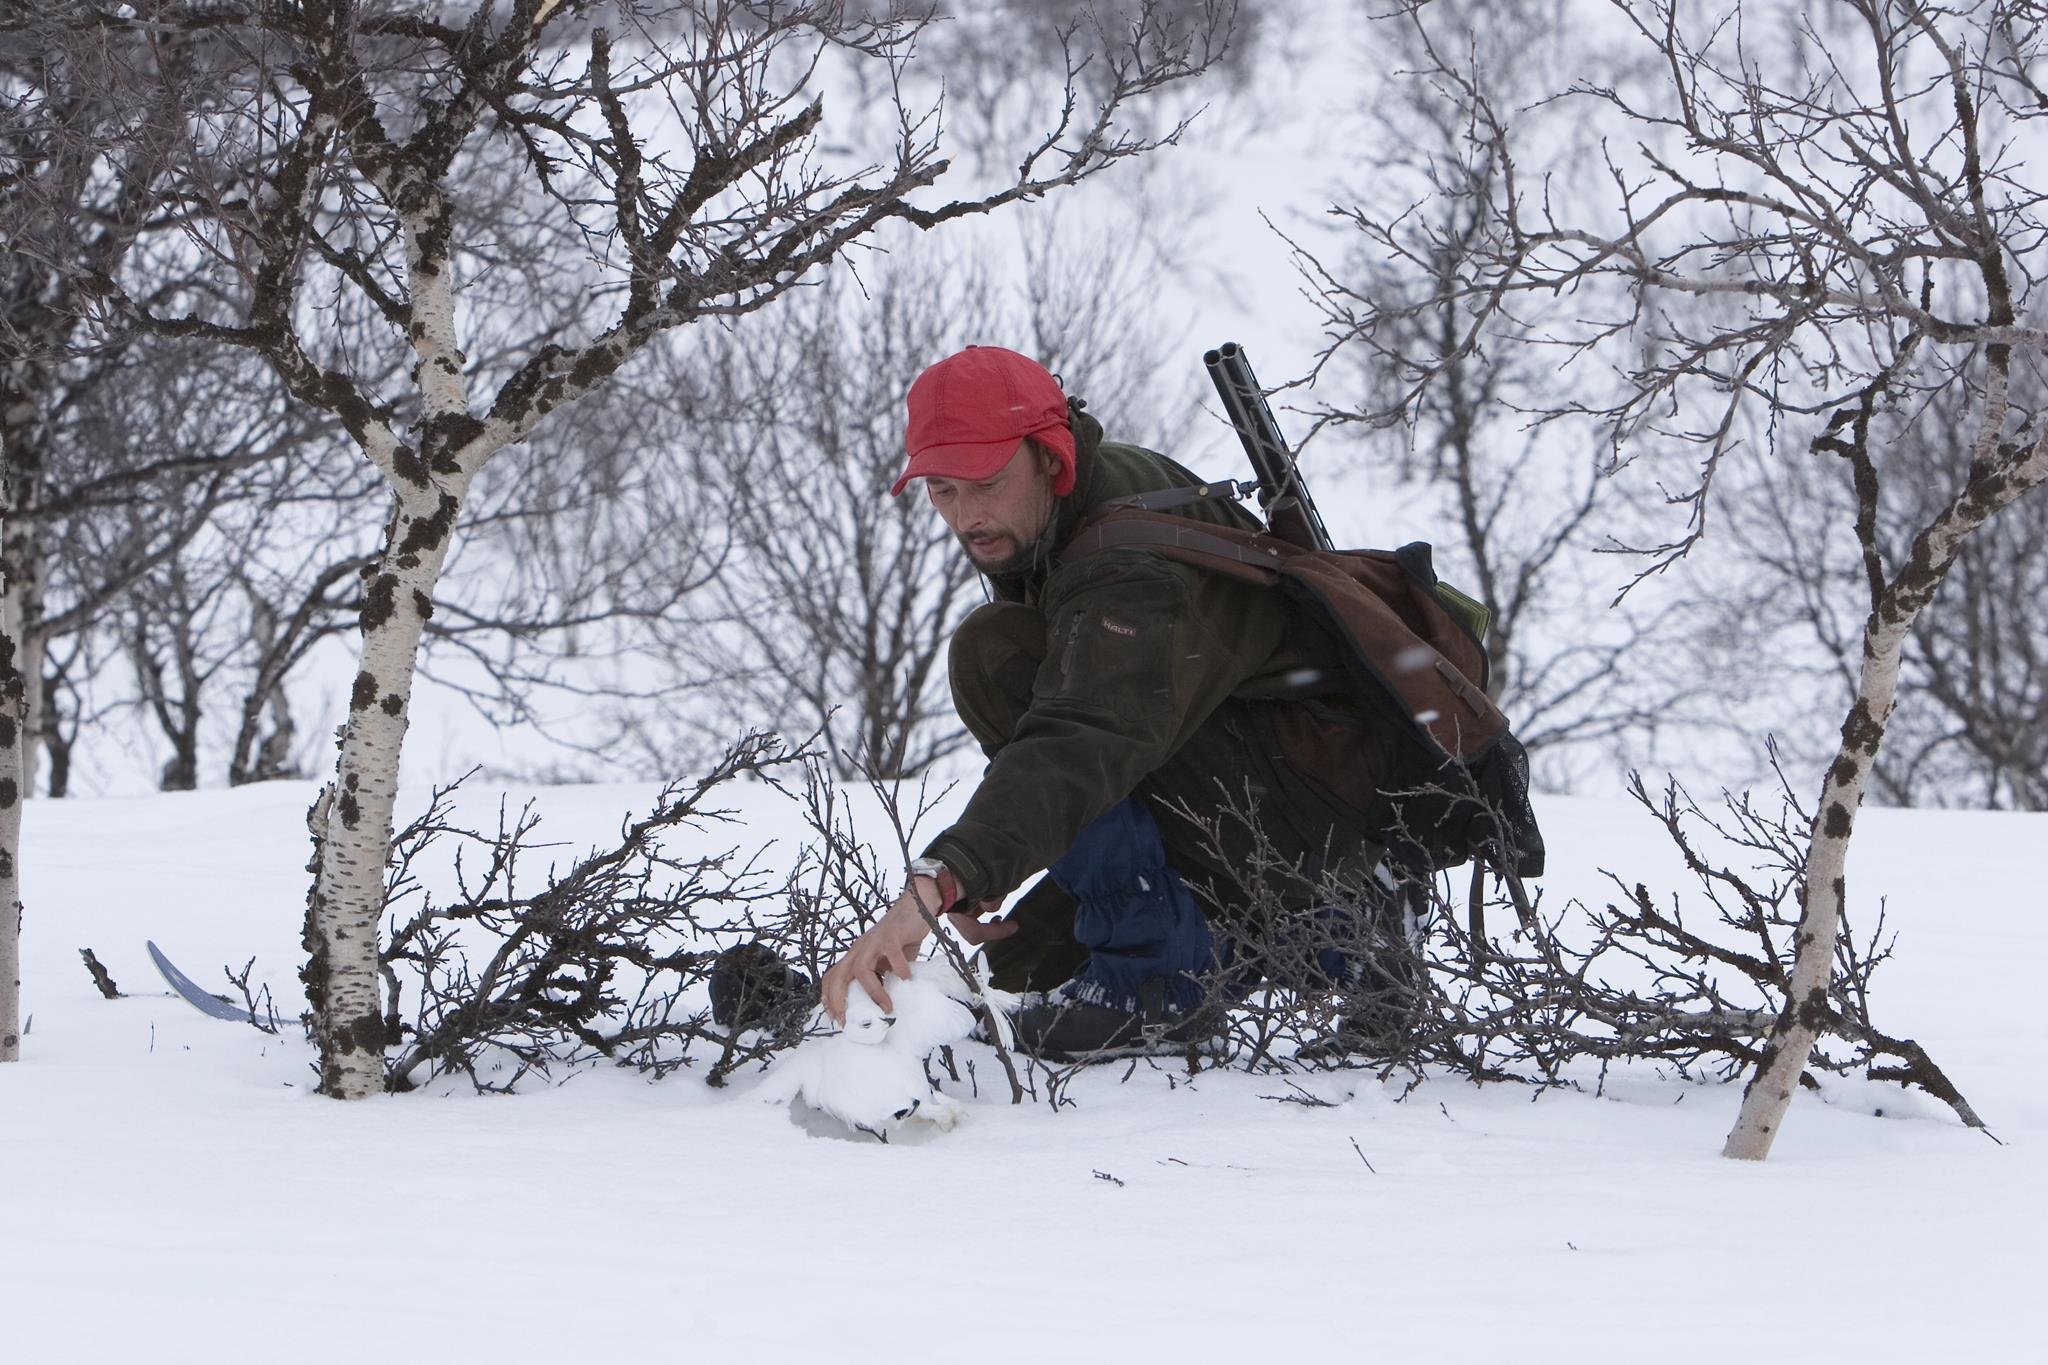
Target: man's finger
899 962
978 932
833 994
871 979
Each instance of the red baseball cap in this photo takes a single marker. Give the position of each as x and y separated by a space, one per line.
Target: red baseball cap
970 412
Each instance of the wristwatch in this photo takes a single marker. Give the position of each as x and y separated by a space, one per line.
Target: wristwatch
949 886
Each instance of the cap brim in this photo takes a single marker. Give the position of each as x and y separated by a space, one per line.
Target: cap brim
964 460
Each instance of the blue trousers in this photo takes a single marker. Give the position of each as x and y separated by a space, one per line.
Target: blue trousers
1135 916
1141 925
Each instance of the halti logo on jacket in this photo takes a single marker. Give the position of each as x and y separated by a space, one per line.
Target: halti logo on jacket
1116 627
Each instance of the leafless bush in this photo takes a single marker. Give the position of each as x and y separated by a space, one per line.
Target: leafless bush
603 962
1384 978
609 960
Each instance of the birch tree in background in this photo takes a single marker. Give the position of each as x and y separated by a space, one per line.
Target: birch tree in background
1822 216
670 160
83 130
1521 501
13 723
834 611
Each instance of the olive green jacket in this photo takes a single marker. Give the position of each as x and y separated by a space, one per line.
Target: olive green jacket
1160 679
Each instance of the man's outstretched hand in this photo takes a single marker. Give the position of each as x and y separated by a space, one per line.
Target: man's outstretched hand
891 942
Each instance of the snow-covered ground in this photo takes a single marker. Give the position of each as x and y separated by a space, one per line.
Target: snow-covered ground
175 1192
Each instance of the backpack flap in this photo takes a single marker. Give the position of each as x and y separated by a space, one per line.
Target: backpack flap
1398 641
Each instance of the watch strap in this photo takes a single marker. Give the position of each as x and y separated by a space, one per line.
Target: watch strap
948 884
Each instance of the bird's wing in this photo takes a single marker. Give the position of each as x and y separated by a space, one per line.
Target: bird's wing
926 1020
786 1078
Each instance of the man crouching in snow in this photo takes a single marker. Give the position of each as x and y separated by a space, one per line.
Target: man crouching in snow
1115 693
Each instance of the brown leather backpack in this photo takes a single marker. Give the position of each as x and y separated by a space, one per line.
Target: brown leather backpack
1457 786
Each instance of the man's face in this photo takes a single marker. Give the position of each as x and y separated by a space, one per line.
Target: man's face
998 519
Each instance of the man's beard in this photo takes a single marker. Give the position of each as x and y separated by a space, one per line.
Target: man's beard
1016 565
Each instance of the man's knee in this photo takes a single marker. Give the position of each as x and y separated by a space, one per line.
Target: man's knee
994 656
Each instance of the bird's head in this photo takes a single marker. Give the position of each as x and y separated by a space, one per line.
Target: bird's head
865 1021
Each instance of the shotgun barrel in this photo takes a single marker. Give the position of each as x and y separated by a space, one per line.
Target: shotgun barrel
1283 497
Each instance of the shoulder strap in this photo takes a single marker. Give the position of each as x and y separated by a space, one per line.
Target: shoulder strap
1225 549
1162 499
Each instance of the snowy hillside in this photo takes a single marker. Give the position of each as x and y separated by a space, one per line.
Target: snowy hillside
178 1194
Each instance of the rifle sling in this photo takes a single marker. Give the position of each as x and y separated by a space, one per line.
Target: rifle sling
1129 527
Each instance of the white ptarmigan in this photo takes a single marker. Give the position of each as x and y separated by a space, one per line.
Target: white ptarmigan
870 1074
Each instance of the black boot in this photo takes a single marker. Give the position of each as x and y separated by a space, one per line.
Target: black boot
1064 1028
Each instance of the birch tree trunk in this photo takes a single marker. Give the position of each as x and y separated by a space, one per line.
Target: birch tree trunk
11 746
14 415
1999 476
352 823
353 820
21 611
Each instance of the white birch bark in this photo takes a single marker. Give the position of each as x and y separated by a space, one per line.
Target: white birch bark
352 824
1995 483
20 617
15 416
353 827
12 738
